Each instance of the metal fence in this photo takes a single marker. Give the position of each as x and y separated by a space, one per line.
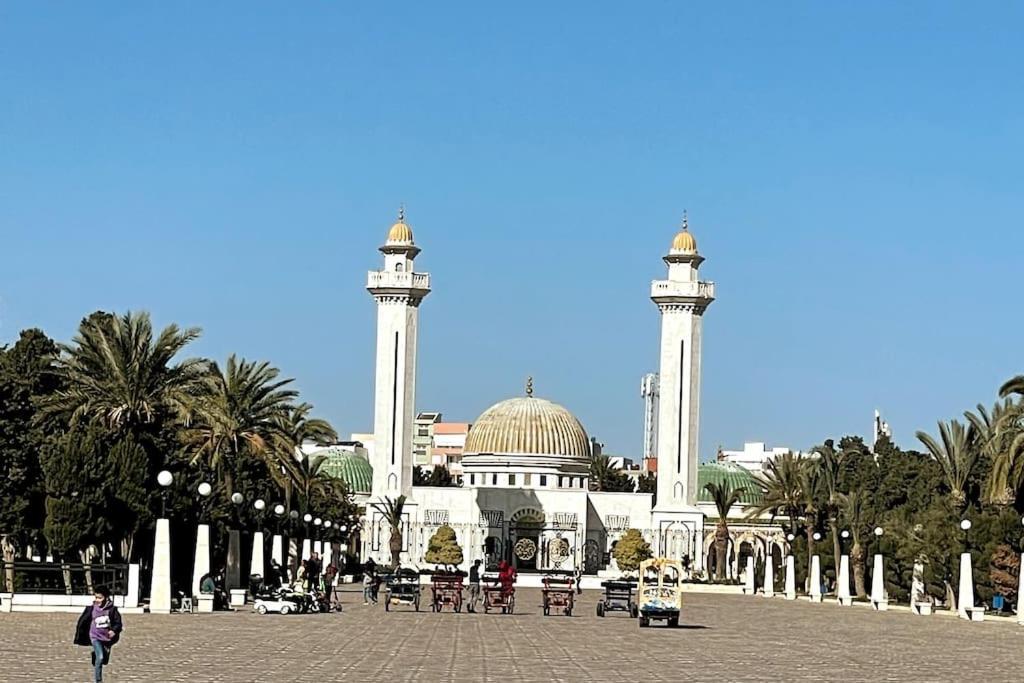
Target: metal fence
63 578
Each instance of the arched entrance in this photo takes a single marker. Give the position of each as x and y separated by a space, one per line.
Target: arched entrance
525 531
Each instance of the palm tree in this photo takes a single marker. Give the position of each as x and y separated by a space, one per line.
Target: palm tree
1000 436
854 507
244 412
955 455
391 511
117 374
291 469
781 482
828 465
724 497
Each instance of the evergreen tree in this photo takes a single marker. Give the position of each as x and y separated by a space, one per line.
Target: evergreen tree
631 550
444 548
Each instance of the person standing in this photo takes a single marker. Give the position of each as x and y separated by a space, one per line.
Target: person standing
368 587
313 573
474 586
99 627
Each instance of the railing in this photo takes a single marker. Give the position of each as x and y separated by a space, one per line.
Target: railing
702 290
398 280
66 578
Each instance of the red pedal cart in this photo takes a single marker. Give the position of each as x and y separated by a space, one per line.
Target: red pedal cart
446 589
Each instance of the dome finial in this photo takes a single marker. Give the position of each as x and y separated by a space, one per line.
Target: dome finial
686 222
529 387
401 212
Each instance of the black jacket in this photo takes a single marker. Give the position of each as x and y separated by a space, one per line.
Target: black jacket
85 620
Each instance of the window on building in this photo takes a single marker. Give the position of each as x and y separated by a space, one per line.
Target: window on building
422 431
472 479
511 480
398 267
561 482
494 480
543 480
526 479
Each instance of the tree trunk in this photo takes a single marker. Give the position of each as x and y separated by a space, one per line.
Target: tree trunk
395 543
810 554
86 557
857 566
721 549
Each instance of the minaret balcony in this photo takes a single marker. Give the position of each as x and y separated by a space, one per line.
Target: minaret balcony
396 280
673 290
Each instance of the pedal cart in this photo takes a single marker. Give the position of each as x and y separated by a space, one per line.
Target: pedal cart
618 597
558 594
446 589
660 591
402 588
496 597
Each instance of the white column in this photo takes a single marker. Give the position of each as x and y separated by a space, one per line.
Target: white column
790 577
160 588
769 576
277 550
748 580
256 565
132 598
234 569
878 599
1020 592
201 564
965 596
328 555
318 548
815 595
306 549
843 586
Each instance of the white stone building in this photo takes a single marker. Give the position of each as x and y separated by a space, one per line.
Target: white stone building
525 463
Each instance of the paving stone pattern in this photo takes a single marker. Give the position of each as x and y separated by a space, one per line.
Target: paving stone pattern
725 638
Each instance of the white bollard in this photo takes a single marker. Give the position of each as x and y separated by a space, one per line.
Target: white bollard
160 587
132 598
815 595
790 577
769 577
843 586
1020 592
328 555
277 550
306 548
748 580
965 597
201 564
256 565
878 599
318 548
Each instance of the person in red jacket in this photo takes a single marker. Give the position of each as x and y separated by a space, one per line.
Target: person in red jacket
99 627
507 578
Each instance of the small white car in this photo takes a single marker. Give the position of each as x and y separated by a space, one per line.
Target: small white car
264 605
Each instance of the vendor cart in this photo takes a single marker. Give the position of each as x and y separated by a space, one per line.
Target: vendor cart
660 591
446 589
403 588
558 594
619 596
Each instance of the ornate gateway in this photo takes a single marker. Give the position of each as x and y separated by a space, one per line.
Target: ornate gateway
558 551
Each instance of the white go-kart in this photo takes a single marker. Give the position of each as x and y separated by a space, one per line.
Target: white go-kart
265 605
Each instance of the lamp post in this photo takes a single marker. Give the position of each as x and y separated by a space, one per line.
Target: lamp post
965 598
318 545
234 573
328 554
843 596
277 543
201 563
307 545
790 570
878 599
160 585
814 575
256 564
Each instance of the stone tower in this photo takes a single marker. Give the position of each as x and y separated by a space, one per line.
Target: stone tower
398 292
682 300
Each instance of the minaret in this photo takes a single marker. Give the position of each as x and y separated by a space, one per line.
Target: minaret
682 300
398 292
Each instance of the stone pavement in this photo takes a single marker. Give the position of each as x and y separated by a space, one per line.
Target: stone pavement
725 638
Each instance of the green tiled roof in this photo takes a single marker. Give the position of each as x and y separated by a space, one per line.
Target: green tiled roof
353 469
736 476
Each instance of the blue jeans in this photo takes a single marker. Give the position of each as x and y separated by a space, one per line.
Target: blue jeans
98 650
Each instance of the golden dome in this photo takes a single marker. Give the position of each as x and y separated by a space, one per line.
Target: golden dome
684 240
528 425
400 232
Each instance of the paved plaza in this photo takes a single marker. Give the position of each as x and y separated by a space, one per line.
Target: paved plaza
726 638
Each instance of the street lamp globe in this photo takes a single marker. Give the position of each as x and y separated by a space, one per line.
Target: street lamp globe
205 489
165 478
816 536
342 528
965 524
327 524
279 509
260 505
317 521
879 531
307 518
294 514
237 498
845 533
790 537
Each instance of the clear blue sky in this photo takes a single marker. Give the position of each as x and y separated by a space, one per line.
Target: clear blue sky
853 175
